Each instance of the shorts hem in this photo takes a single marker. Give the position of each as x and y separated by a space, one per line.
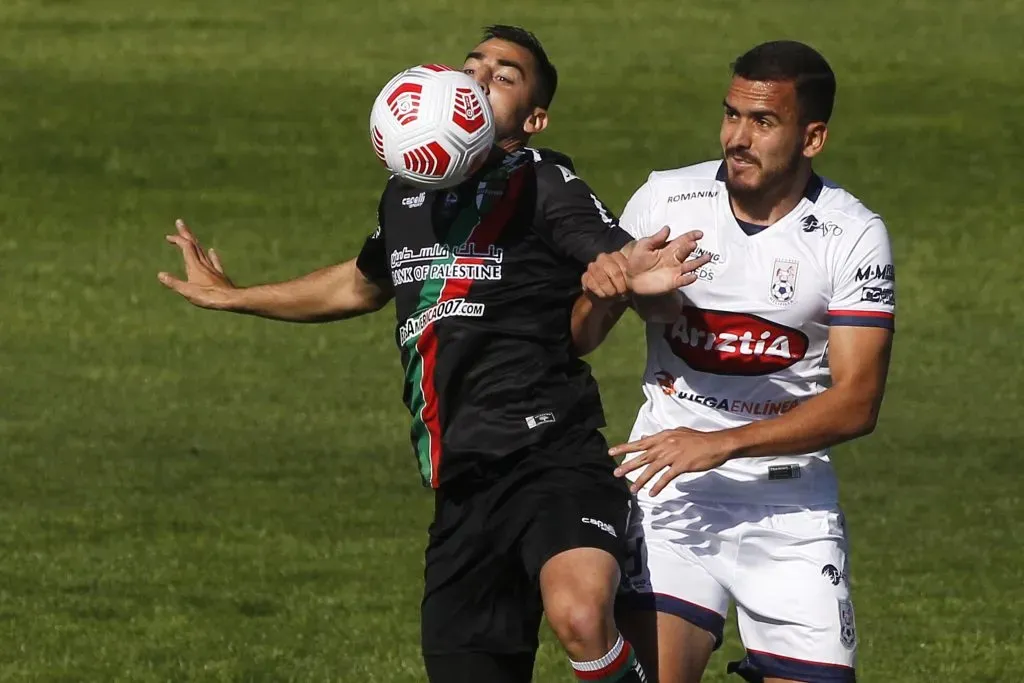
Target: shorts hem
757 665
546 557
702 617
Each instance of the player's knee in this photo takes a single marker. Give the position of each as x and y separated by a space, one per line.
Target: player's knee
578 588
580 623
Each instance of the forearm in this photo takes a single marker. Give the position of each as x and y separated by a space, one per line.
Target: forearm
607 293
333 293
592 320
659 309
830 418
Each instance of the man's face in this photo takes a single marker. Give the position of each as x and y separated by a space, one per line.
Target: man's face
508 74
762 137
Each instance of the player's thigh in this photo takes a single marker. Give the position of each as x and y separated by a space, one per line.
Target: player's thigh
575 507
475 667
684 649
574 545
578 591
477 597
671 649
671 589
792 593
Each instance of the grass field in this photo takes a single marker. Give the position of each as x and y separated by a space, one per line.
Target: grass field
187 496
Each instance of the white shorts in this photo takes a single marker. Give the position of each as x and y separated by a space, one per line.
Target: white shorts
785 567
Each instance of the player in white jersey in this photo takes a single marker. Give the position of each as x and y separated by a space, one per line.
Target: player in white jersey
780 352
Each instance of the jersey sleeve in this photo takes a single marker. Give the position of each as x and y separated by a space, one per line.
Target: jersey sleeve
864 282
572 219
636 217
372 261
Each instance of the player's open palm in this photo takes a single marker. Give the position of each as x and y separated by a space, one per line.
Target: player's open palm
658 266
205 283
672 451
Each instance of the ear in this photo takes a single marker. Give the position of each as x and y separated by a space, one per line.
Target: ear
536 122
815 135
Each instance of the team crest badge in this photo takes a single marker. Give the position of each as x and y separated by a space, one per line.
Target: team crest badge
449 203
847 628
783 286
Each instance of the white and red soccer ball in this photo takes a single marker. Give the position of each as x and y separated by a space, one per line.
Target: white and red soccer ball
432 126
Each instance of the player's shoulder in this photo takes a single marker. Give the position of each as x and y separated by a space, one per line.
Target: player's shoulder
681 186
837 206
703 174
705 171
547 158
689 188
552 168
400 192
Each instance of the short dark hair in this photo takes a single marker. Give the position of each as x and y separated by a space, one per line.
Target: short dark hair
547 75
792 61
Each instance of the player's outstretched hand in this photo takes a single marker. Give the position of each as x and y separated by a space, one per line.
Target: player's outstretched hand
658 266
205 285
679 450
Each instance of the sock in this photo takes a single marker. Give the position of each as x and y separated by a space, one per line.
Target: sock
618 666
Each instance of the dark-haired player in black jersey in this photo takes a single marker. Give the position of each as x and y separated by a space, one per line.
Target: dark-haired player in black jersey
529 518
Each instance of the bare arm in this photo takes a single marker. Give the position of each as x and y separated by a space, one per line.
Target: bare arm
336 292
592 320
645 275
333 293
859 362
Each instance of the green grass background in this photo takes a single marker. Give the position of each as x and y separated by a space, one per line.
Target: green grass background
187 496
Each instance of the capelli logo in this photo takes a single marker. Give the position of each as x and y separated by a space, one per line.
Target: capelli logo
416 201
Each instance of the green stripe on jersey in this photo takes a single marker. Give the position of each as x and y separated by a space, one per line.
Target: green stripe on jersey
430 295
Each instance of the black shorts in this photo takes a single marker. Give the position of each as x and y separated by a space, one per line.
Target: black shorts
488 543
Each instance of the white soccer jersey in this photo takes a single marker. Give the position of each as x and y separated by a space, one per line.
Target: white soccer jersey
752 341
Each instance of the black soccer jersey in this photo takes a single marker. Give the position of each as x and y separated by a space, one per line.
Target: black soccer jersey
485 276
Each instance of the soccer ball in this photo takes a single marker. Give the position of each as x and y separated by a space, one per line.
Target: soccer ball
432 126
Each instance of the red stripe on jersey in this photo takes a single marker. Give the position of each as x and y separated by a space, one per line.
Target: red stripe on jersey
483 235
863 314
426 346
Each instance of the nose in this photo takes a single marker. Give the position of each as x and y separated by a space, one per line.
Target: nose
483 77
739 136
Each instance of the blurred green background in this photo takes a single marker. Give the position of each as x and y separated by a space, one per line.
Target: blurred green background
187 496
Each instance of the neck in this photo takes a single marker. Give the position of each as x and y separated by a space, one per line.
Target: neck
768 207
511 144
